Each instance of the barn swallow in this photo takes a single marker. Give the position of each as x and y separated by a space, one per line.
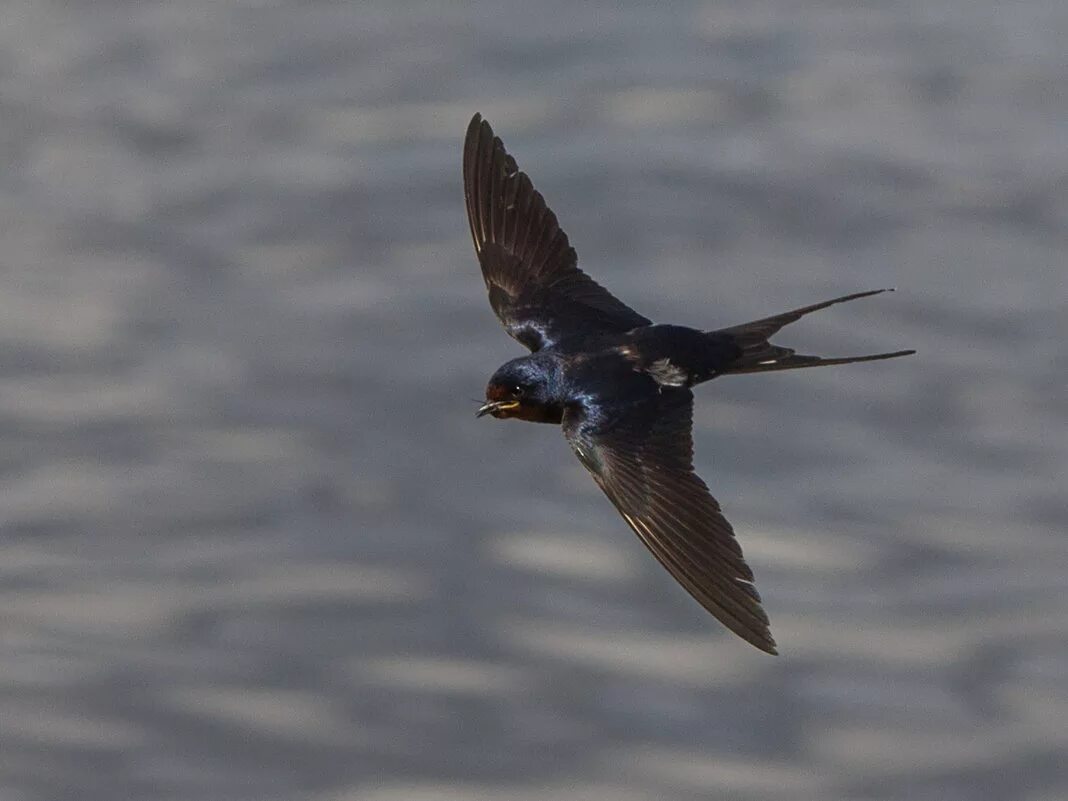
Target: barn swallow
618 384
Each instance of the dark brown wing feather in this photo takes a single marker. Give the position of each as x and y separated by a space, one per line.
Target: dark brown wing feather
531 271
642 458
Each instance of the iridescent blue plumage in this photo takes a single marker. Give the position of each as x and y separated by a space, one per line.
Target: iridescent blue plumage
618 385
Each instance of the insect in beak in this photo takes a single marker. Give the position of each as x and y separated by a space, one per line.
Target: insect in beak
489 407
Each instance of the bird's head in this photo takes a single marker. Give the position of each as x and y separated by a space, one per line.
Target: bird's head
522 388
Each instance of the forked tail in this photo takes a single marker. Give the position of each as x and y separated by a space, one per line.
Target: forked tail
759 355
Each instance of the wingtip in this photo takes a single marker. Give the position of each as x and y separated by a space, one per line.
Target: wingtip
766 644
474 125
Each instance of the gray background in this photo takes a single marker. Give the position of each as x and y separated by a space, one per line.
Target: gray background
256 546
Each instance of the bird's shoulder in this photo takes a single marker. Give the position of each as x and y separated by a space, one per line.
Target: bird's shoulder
601 368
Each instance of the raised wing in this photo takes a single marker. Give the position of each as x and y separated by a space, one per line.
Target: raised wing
642 458
531 271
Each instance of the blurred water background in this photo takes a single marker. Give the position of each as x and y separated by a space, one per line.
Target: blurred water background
253 542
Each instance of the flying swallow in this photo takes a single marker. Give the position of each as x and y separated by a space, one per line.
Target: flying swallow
616 383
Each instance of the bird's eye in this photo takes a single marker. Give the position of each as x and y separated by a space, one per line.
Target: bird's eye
518 391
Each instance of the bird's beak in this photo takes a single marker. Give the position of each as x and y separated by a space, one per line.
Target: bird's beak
489 407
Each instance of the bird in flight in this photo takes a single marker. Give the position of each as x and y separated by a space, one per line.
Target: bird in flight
618 384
